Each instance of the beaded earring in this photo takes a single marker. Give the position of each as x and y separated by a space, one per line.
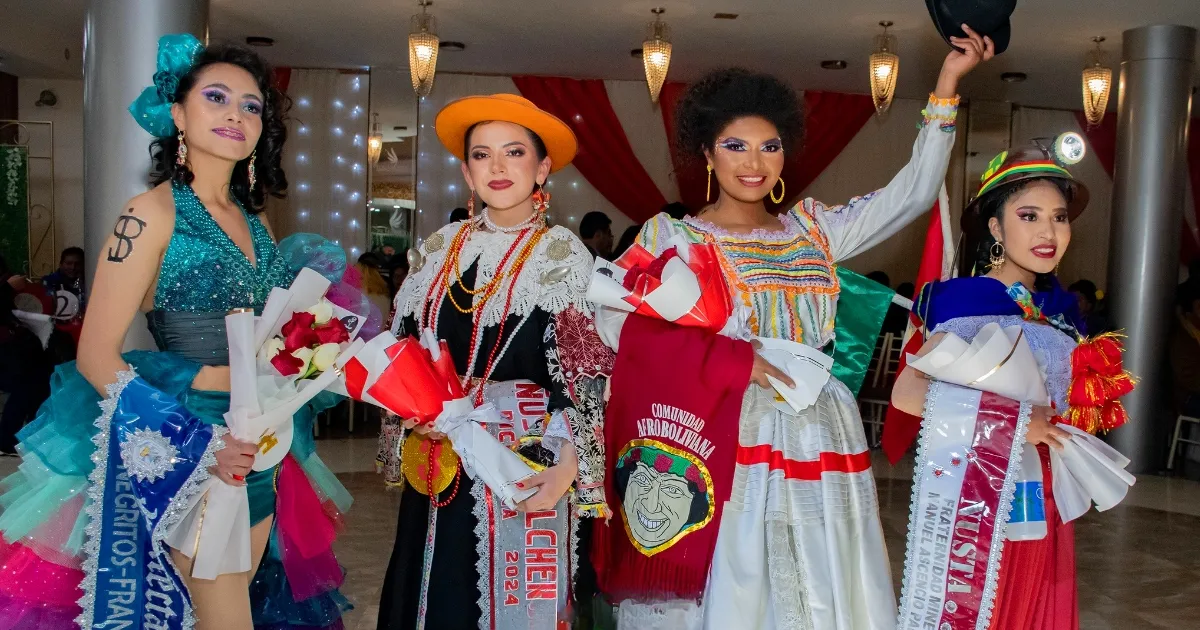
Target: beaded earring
541 200
181 152
250 168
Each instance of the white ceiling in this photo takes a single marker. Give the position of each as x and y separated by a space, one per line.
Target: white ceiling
592 38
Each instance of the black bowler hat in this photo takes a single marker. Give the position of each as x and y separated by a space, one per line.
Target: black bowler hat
985 17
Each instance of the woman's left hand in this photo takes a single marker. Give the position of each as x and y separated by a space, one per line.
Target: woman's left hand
976 49
551 483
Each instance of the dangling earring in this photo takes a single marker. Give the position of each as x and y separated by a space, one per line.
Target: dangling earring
782 190
995 258
250 169
471 205
708 188
541 200
181 152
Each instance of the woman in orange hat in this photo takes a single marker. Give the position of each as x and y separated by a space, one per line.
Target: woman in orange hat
506 292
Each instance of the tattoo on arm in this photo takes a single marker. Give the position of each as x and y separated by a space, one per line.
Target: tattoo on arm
128 228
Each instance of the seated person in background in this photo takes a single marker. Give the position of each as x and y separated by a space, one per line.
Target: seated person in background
459 214
595 230
1184 351
69 276
1089 306
14 280
24 372
627 238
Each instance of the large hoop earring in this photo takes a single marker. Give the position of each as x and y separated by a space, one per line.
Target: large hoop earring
708 189
181 152
250 169
995 258
782 190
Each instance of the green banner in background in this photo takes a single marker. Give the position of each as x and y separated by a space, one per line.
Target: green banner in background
862 306
14 207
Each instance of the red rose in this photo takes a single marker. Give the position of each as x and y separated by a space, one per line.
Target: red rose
287 364
333 331
662 463
298 332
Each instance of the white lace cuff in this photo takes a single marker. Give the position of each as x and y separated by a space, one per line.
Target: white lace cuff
557 434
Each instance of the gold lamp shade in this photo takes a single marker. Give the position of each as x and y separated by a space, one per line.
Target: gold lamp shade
656 54
423 50
1097 86
374 143
884 66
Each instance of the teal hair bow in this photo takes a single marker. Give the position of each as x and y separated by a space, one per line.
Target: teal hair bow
152 109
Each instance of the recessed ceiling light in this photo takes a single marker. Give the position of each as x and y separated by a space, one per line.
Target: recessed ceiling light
259 41
452 46
636 53
834 64
1013 77
725 16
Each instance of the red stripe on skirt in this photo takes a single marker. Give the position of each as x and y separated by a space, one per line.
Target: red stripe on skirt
805 471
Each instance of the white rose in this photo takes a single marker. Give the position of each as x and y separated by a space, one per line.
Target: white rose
322 310
273 347
305 355
325 355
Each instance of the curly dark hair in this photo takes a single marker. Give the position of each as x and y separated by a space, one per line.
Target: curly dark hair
722 96
270 179
992 205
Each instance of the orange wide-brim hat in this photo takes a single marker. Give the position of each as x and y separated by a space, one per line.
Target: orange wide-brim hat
459 116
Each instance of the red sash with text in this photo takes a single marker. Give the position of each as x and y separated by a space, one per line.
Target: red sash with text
967 462
671 436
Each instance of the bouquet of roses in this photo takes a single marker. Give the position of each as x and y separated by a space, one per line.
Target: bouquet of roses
417 380
685 285
277 362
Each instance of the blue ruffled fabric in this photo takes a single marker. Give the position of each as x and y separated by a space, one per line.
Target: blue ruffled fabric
57 448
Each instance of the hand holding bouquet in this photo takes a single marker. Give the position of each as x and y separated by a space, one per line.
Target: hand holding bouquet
416 380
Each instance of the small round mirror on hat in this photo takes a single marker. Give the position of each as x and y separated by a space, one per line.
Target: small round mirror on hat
988 18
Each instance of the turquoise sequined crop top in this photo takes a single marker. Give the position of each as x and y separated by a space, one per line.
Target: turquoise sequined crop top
203 271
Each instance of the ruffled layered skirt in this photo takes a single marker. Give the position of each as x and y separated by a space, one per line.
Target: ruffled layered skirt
44 521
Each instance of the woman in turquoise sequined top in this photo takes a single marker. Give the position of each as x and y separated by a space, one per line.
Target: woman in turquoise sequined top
184 253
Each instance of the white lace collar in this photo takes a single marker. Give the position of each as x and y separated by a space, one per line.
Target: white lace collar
559 247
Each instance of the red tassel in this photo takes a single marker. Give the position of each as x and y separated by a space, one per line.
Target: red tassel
1098 380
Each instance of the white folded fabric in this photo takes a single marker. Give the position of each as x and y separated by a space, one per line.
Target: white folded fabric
998 360
808 368
483 457
1087 471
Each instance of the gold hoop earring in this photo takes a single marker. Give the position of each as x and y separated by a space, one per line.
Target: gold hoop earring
782 191
181 152
708 188
995 258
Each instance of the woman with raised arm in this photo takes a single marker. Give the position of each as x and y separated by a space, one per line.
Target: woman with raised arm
758 515
125 443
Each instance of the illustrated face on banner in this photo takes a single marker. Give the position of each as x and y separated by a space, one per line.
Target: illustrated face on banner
664 495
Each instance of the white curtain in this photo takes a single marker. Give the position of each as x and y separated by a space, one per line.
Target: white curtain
1087 255
325 159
